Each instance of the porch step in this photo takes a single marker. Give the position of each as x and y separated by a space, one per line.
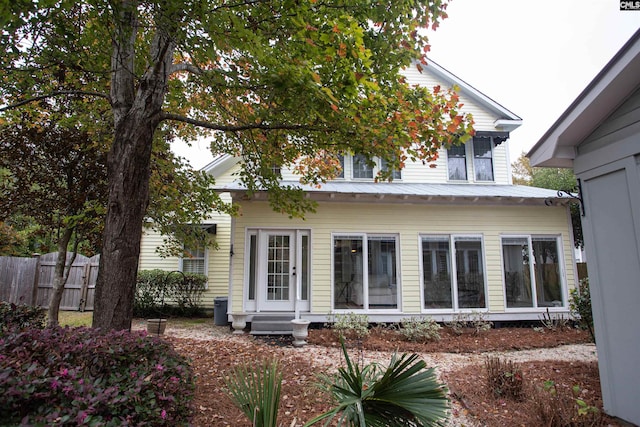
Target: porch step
271 325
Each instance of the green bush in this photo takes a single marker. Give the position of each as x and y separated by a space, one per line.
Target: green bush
15 318
82 376
580 305
160 293
474 321
420 329
404 393
351 325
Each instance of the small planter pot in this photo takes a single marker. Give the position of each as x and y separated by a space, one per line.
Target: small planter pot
300 332
156 326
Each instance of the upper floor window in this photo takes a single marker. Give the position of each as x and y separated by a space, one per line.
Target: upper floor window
358 166
457 163
478 153
483 159
194 260
361 167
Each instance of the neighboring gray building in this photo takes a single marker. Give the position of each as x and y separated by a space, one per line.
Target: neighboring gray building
599 137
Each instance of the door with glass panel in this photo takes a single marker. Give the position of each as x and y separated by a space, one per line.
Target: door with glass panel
277 270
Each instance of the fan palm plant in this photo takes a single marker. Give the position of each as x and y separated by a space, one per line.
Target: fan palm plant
256 391
402 394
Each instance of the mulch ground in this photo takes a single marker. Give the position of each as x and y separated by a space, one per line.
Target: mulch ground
301 400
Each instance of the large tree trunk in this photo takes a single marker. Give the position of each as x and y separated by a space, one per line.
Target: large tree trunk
58 279
137 105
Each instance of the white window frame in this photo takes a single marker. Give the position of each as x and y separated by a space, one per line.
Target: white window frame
534 288
348 169
473 160
204 258
365 272
466 165
455 308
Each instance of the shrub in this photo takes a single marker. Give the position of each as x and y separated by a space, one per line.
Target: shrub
14 318
255 389
563 407
554 321
580 305
420 329
404 393
351 325
504 378
160 293
73 376
474 321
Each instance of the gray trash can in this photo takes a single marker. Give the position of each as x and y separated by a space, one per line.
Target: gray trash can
220 311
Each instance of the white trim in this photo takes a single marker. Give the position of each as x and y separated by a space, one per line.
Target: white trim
365 272
532 276
451 239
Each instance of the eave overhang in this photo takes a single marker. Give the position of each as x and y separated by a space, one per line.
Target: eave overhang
617 81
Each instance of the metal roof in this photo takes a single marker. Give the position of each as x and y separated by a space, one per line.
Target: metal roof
417 189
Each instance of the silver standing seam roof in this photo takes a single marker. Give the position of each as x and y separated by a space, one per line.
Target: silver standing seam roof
407 191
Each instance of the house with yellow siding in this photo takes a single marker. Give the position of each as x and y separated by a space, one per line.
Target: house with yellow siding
438 241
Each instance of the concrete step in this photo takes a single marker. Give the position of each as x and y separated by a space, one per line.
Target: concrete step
271 325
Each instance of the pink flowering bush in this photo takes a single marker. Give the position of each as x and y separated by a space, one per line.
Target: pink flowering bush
15 317
83 376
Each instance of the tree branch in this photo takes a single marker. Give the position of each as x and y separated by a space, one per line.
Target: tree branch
236 128
54 94
185 66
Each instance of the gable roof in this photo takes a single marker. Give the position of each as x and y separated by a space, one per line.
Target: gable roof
507 120
615 83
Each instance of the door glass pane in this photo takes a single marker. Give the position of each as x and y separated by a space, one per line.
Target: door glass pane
305 268
253 248
278 260
436 265
517 276
547 271
469 273
347 272
383 279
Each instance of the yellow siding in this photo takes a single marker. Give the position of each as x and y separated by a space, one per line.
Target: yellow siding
408 221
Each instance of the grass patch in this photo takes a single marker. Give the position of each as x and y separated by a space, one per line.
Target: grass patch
75 318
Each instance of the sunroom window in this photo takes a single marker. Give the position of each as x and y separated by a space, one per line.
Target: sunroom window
365 272
532 275
463 290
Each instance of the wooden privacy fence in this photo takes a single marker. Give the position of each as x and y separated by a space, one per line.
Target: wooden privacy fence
30 281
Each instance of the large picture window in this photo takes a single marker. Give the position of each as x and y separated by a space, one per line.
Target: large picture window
462 290
532 275
365 272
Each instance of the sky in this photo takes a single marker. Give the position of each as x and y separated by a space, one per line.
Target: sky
532 57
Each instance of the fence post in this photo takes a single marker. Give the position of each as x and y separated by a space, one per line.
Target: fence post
36 279
85 286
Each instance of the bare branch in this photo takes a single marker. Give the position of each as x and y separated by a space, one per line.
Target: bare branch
54 94
241 127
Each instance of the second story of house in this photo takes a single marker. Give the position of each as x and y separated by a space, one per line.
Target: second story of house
483 160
